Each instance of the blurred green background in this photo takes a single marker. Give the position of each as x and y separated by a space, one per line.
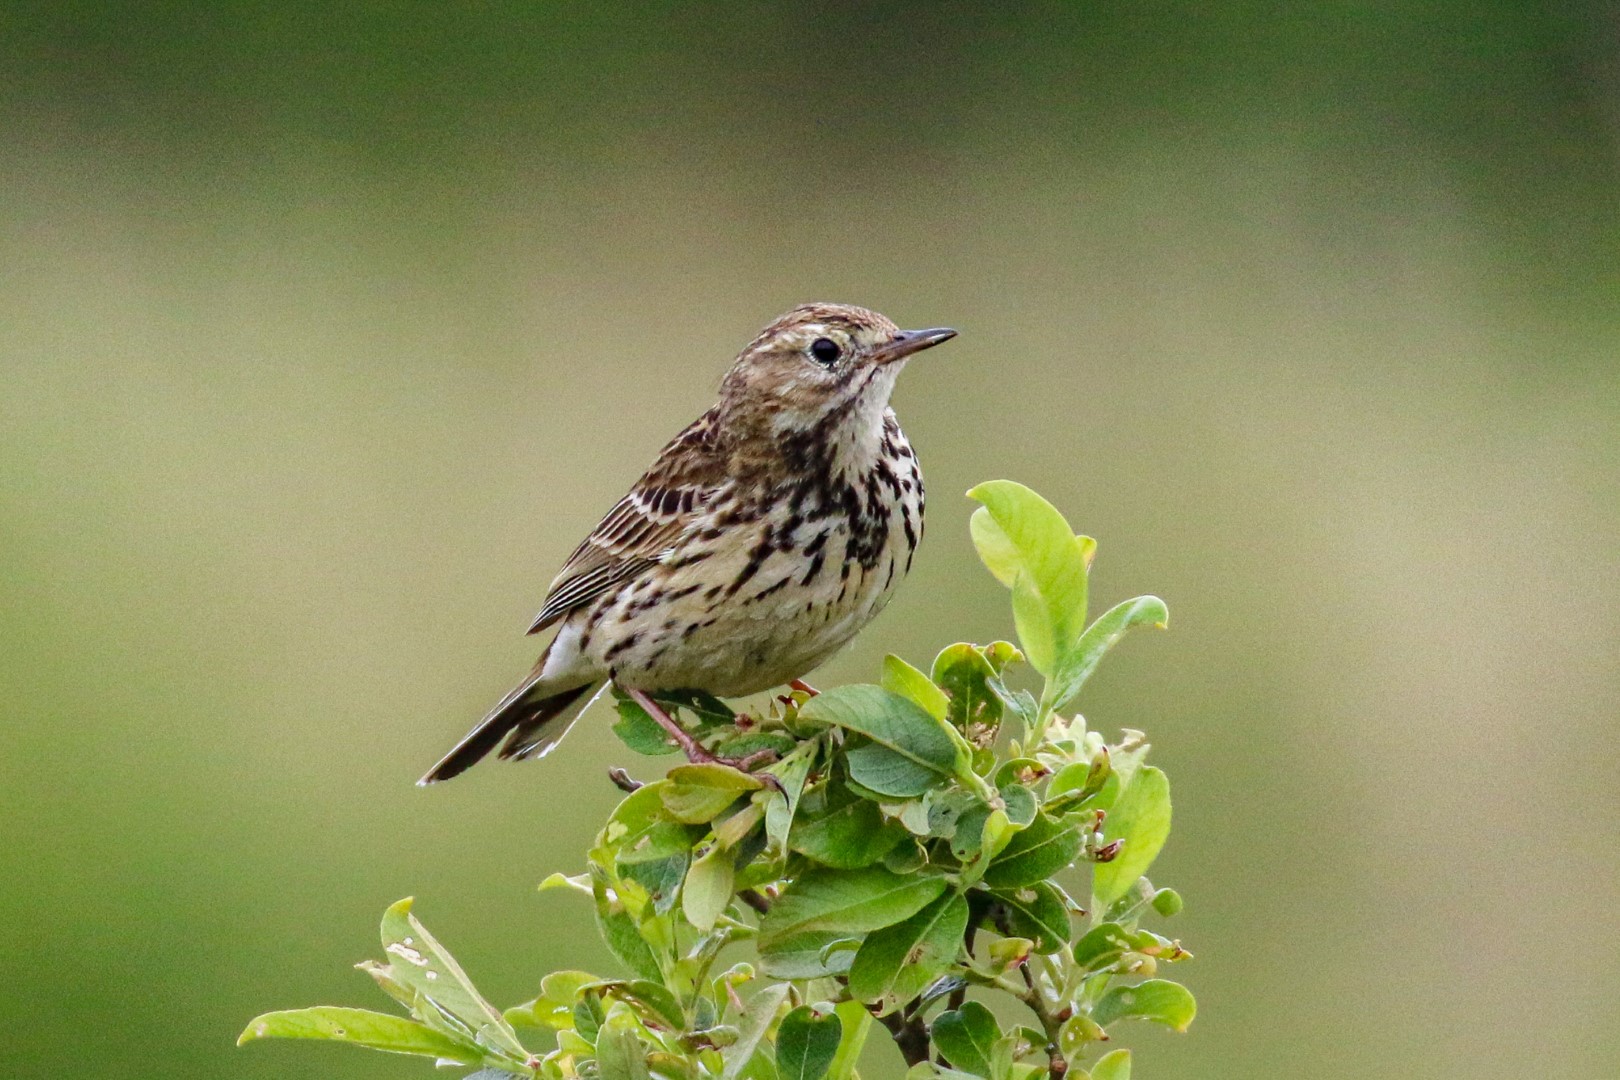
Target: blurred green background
325 332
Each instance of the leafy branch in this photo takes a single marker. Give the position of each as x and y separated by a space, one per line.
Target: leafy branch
915 846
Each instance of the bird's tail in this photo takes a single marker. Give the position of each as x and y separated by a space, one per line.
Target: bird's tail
531 719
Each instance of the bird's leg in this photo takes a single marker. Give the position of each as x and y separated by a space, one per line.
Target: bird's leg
695 750
683 738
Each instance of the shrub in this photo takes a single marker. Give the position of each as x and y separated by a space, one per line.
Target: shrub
909 859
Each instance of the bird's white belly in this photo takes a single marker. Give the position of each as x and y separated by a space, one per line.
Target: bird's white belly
774 629
768 644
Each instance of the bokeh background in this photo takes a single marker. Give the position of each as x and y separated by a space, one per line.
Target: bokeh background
325 332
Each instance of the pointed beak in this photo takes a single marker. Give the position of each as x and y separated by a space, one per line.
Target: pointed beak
907 342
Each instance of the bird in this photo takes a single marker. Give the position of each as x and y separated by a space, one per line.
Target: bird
763 537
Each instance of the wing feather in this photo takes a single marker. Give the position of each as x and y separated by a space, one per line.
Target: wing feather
643 527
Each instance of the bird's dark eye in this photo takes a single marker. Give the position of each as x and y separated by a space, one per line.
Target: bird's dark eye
825 350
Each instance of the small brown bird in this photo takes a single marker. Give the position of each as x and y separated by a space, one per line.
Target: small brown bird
762 539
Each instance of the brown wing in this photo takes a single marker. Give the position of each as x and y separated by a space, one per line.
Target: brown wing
641 529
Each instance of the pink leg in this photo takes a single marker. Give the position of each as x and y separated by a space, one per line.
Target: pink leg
683 738
693 749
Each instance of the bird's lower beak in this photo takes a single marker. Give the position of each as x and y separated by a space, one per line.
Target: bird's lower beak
907 342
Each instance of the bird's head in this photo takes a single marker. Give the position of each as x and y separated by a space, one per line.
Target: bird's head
821 362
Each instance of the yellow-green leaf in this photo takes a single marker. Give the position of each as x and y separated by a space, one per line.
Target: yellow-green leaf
901 678
1140 817
1158 1000
361 1027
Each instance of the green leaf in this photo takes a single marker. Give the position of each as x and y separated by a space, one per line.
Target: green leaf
621 935
813 954
640 732
889 720
851 834
755 1022
662 879
1113 1066
1032 548
655 1001
848 902
745 743
708 888
901 678
857 1023
1034 854
1101 636
1158 1000
1038 912
886 773
967 839
1019 803
637 815
995 547
1141 817
660 839
1033 620
897 963
589 1012
737 828
361 1027
1101 947
698 793
965 1036
806 1044
928 1070
620 1055
791 772
1079 779
554 1008
418 961
1077 1032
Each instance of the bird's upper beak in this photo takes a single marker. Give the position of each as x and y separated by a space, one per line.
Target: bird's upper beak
907 342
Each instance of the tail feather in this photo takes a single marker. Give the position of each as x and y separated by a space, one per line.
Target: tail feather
528 719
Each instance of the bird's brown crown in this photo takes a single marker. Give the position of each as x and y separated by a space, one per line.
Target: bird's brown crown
814 361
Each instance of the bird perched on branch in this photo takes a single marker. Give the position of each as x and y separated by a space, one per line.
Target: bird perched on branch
760 541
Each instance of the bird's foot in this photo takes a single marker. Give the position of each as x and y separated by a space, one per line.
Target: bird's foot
695 751
745 764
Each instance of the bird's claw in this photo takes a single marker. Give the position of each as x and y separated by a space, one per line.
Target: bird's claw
748 763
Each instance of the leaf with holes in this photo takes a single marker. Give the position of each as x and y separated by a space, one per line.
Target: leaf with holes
417 960
1159 1000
